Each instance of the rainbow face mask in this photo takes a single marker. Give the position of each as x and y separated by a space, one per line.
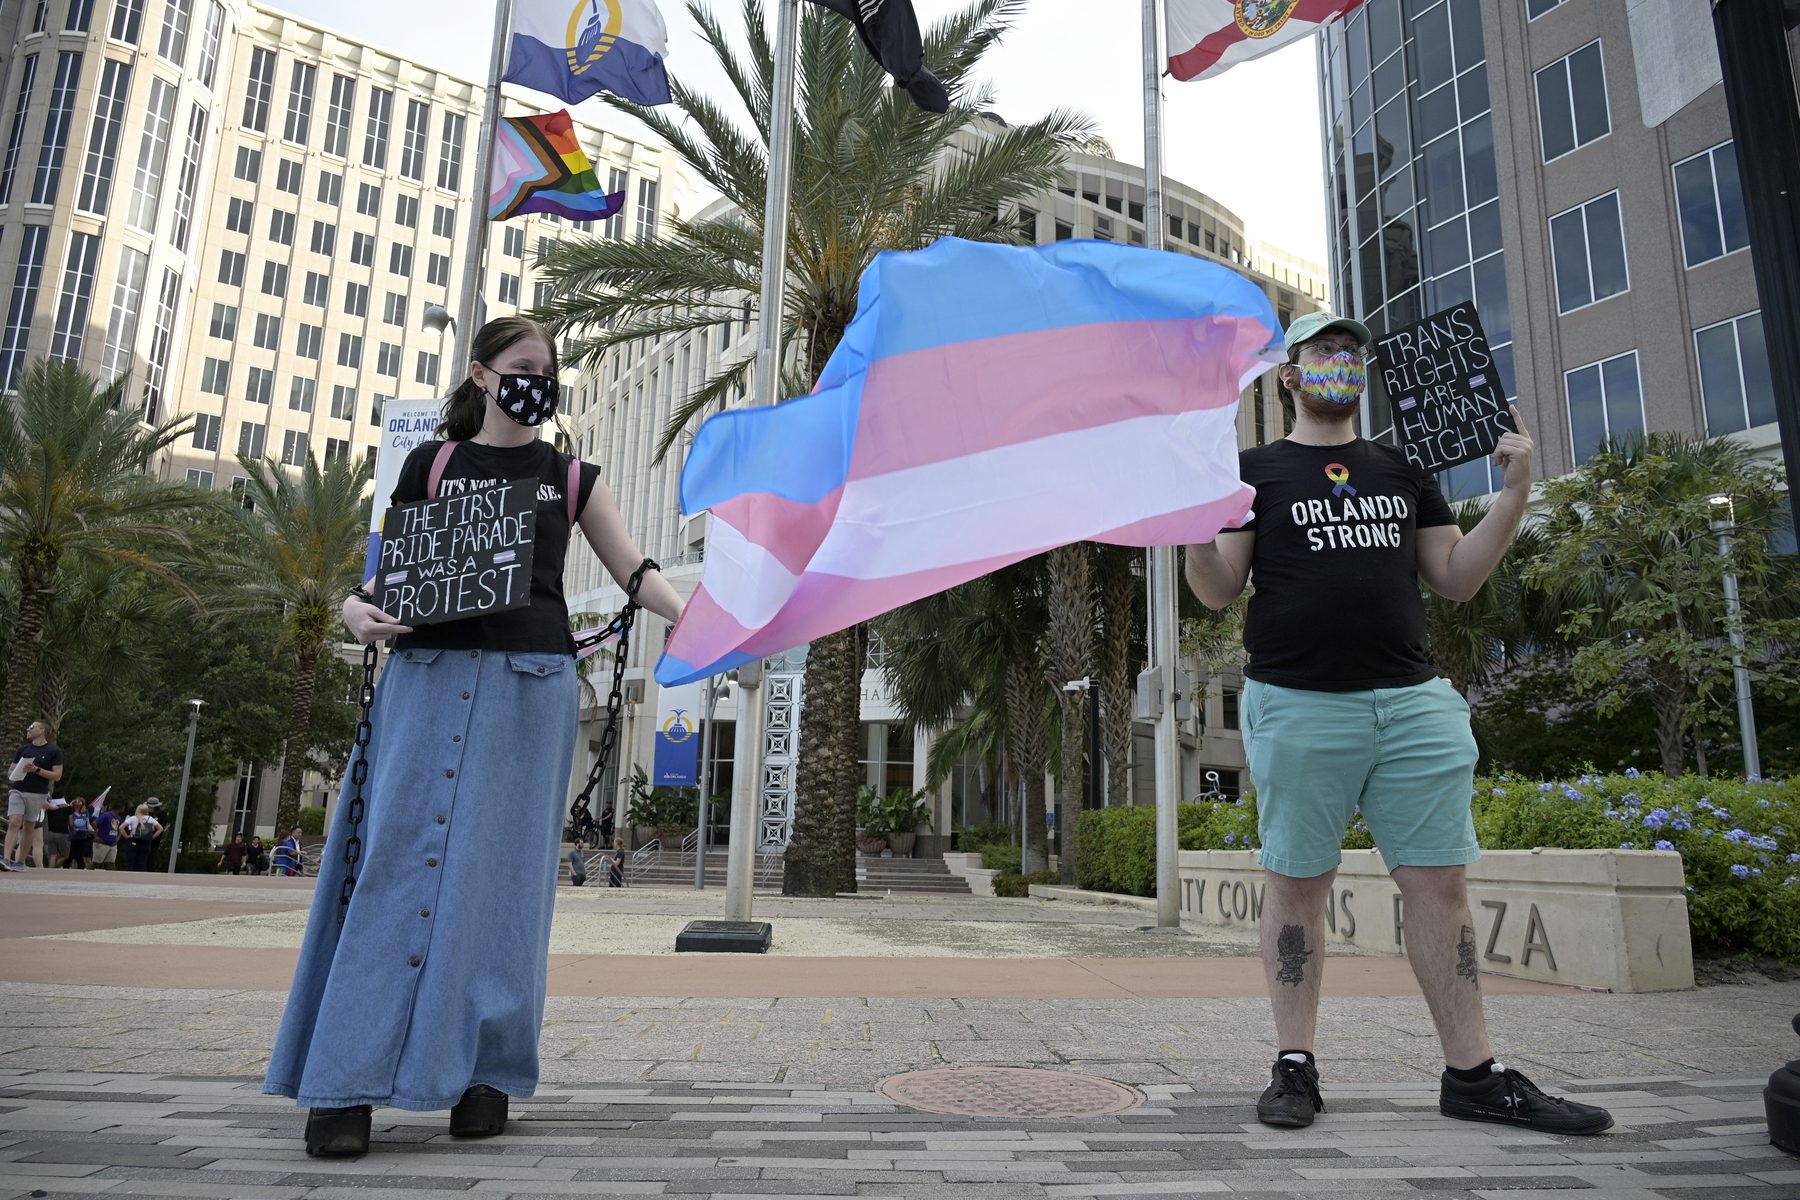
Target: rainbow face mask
1339 379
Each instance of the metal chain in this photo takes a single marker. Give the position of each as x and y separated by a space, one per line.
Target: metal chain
359 775
615 699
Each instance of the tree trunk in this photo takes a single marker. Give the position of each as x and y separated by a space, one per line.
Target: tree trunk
827 763
1071 657
850 732
23 656
1025 717
293 750
1668 697
53 695
1120 593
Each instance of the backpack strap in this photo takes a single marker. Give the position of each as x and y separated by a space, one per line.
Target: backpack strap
437 468
573 490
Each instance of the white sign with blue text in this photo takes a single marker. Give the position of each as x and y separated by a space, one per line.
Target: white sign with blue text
404 425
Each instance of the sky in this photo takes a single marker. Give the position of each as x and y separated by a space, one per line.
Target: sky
1249 139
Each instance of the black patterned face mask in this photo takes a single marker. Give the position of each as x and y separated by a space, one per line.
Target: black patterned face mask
527 399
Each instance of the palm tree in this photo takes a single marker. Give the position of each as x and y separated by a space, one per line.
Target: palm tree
1071 657
303 547
73 489
871 172
1473 639
98 625
1121 607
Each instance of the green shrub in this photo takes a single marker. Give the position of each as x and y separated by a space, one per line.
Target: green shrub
1019 886
1003 858
971 838
196 862
1739 842
312 821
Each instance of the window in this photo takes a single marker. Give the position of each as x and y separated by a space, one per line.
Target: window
343 402
450 152
1589 246
646 213
224 322
56 128
240 489
512 244
1604 402
412 148
350 351
356 299
427 370
437 270
337 115
324 238
308 341
16 138
231 268
103 137
337 450
122 323
375 404
293 447
394 312
616 182
275 279
443 223
249 165
509 289
77 296
258 89
362 249
188 181
375 135
400 259
281 227
318 289
153 155
22 308
252 439
215 376
127 21
1711 203
209 44
206 431
301 392
331 187
288 175
1537 8
42 15
162 337
368 200
172 45
1734 375
300 100
544 247
199 478
268 332
262 386
1571 95
387 360
406 211
541 293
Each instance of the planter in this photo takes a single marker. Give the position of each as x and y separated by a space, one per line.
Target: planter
671 837
902 844
870 843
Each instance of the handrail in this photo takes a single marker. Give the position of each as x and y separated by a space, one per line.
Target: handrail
690 846
647 856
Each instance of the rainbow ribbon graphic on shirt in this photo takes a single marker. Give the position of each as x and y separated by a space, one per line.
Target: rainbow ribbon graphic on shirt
1339 474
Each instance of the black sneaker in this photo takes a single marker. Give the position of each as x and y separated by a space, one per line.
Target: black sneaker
338 1132
1292 1096
1508 1097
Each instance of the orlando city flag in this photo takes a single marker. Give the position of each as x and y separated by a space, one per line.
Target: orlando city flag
540 167
1207 37
575 48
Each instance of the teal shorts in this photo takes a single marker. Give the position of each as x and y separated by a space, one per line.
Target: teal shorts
1405 755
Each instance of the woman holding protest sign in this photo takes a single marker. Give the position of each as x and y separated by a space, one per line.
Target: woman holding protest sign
421 979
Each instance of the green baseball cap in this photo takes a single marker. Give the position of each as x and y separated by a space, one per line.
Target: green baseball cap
1306 328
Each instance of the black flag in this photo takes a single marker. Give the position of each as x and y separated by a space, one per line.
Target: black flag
890 30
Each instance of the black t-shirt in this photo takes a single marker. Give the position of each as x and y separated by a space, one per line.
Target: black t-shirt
1336 606
49 756
542 625
56 820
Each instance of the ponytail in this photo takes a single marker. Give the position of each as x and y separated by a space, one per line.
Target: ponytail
464 412
466 409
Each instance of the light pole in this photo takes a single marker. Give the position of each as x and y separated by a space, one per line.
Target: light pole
187 766
1724 517
714 689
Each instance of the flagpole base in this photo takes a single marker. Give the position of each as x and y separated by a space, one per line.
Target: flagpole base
724 937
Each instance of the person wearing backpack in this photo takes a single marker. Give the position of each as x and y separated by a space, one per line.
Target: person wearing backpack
81 835
141 831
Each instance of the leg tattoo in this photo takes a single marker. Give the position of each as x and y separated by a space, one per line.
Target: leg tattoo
1291 946
1465 957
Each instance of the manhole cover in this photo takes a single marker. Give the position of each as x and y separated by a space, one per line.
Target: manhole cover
1009 1092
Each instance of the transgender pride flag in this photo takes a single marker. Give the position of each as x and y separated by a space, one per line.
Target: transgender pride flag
986 404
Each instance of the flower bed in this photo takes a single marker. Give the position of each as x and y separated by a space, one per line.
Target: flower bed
1739 842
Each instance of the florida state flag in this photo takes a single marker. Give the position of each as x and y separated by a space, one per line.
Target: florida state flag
1210 36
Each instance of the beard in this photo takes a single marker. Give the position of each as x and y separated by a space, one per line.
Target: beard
1327 412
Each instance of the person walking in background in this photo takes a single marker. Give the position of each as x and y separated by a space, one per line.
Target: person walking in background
37 765
259 856
141 831
81 835
615 868
287 854
106 834
235 854
56 832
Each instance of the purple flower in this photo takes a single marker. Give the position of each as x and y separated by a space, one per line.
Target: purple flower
1543 787
1570 793
1231 839
1628 845
1740 870
1737 835
1681 823
1763 842
1763 803
1664 845
1656 818
1632 773
1793 858
1790 880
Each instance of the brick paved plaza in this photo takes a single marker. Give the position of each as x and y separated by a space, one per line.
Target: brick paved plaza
137 1014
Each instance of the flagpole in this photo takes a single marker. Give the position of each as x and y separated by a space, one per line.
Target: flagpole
746 772
468 308
1163 576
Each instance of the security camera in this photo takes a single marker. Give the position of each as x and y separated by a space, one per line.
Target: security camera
1075 685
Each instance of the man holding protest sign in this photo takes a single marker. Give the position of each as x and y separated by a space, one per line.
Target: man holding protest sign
1344 713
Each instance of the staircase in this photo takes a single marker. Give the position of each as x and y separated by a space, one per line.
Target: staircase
874 876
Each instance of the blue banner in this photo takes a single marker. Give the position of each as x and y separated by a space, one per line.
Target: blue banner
677 759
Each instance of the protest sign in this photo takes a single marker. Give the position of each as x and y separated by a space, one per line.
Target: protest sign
1439 375
458 556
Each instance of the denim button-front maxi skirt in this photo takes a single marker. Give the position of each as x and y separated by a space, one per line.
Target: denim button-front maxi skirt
435 980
